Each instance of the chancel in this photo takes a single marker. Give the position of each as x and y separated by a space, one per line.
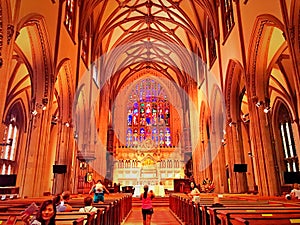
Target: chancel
150 92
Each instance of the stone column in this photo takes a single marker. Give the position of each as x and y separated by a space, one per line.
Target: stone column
264 157
238 181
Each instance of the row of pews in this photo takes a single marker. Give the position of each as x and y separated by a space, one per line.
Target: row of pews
235 210
113 211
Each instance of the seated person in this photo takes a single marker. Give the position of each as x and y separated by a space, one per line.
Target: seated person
295 192
195 193
45 215
88 205
64 206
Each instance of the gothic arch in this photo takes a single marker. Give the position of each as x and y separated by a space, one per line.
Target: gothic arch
66 89
81 115
277 103
119 104
295 24
234 76
7 28
36 28
204 161
280 102
258 50
161 41
18 107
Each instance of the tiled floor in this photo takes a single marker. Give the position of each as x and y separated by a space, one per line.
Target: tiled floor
161 216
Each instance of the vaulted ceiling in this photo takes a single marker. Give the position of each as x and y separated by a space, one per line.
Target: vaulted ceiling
162 36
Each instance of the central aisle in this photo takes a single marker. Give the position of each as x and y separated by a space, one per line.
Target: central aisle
161 216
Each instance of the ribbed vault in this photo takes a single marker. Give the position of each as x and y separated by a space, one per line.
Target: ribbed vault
152 34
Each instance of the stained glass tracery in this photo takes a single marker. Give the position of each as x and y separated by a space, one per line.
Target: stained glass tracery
148 115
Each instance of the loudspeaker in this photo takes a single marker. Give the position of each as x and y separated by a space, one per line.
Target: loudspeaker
8 180
59 168
291 177
240 168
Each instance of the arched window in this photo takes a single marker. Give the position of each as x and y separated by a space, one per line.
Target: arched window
227 17
70 16
85 45
148 115
288 144
8 146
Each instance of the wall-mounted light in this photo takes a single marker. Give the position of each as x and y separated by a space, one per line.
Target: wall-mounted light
83 165
54 120
34 112
267 109
231 124
259 103
67 124
245 118
223 141
245 115
250 154
44 103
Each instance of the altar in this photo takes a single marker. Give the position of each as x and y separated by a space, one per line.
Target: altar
157 189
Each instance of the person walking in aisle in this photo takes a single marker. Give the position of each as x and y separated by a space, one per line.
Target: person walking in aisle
147 208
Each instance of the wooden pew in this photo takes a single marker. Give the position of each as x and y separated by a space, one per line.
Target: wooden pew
209 217
214 211
260 219
107 212
112 212
12 207
92 217
88 217
61 218
4 218
78 221
225 215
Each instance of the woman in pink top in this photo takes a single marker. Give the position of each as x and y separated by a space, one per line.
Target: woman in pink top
147 209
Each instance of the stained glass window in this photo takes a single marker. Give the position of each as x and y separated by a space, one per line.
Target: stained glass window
227 17
9 144
291 161
70 16
148 115
212 50
85 45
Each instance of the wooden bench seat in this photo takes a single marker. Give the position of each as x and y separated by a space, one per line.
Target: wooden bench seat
224 216
208 215
214 211
62 218
112 212
265 219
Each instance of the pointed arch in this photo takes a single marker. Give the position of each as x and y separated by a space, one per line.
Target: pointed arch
295 23
18 108
35 26
233 88
278 101
257 59
65 88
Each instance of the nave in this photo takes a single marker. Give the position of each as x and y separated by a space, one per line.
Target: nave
161 216
156 92
177 208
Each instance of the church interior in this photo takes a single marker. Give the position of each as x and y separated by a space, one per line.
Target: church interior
156 92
